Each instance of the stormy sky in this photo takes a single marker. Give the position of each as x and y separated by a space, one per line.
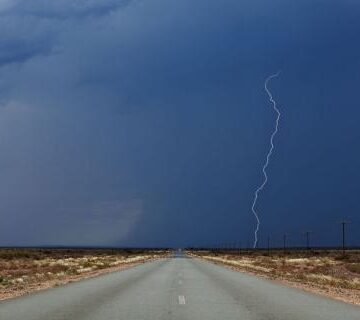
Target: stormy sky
145 122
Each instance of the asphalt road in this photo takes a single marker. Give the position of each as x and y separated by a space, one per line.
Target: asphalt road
176 288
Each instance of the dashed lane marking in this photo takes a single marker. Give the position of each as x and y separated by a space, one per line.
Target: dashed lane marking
182 300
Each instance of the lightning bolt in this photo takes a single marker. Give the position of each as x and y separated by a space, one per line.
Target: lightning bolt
261 187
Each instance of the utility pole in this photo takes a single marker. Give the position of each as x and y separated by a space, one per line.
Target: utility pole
343 224
284 240
307 233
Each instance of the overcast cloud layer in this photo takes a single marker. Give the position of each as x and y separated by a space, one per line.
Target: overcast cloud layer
145 123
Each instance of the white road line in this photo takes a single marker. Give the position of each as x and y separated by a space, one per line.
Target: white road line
182 300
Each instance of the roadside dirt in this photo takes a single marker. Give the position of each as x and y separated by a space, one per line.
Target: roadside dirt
23 271
327 273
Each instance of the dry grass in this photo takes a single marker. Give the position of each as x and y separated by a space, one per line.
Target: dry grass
26 270
326 272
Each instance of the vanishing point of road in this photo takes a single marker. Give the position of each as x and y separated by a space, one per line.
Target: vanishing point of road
176 288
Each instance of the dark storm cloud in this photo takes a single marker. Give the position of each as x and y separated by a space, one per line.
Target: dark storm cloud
153 113
18 51
30 28
62 10
22 39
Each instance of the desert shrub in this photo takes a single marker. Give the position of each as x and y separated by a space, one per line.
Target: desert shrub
57 268
104 265
87 264
353 267
12 254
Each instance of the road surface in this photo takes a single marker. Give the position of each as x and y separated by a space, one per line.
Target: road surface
176 288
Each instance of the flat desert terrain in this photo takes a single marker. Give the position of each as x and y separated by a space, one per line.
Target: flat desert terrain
325 272
26 270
